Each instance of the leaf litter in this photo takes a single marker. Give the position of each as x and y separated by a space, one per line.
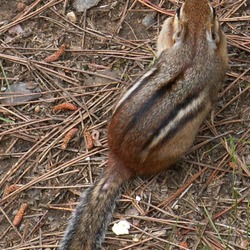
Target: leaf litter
201 202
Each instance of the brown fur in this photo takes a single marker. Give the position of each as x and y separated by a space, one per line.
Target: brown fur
157 119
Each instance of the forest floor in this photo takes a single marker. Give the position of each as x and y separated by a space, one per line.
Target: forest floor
203 202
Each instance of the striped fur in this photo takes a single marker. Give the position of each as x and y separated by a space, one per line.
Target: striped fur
134 88
177 118
150 103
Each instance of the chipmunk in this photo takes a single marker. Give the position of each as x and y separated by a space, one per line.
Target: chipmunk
157 118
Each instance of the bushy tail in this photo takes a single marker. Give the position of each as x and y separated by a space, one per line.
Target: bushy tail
89 222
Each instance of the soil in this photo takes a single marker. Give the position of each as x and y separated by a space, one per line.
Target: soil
203 202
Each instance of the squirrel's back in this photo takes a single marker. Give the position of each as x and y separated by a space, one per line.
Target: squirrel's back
158 119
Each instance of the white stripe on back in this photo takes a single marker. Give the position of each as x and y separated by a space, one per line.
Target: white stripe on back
183 112
134 87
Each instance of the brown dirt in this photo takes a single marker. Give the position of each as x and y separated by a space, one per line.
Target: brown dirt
108 47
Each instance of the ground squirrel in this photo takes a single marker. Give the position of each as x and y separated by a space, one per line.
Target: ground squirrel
157 118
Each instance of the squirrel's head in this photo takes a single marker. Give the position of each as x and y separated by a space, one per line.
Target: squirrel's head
196 18
197 12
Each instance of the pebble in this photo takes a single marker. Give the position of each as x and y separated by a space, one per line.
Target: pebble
148 20
37 109
71 16
20 6
82 5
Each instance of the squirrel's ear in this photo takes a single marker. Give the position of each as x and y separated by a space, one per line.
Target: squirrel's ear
213 34
180 33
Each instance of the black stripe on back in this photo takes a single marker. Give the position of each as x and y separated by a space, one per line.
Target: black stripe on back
182 123
147 106
170 117
133 93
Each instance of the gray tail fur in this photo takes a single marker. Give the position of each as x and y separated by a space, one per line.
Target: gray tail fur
89 222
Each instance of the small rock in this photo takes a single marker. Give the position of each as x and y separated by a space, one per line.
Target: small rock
138 198
16 30
82 5
176 207
8 39
136 239
71 16
37 109
20 6
148 20
160 233
131 212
